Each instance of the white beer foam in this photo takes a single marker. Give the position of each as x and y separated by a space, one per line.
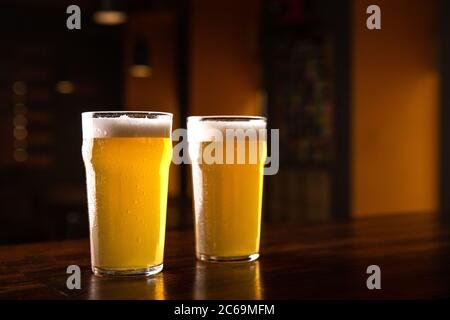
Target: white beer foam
125 126
211 129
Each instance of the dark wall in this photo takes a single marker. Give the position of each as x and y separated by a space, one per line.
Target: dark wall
42 194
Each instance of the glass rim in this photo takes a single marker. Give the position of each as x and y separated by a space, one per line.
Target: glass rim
226 118
112 113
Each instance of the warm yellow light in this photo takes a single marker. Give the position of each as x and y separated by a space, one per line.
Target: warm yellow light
110 17
20 88
65 87
20 133
140 71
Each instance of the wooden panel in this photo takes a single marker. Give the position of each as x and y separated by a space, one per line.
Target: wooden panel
297 262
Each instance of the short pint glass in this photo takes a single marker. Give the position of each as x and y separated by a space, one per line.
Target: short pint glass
127 157
227 155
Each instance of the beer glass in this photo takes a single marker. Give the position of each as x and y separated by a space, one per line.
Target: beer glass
227 155
127 157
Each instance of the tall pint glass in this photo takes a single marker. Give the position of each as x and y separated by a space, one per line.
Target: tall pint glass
127 157
228 155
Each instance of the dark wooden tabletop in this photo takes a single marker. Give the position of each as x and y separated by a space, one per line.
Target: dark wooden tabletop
297 262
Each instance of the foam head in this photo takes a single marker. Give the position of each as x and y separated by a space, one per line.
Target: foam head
107 125
217 128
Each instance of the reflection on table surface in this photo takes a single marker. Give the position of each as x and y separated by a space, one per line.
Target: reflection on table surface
210 281
218 281
133 288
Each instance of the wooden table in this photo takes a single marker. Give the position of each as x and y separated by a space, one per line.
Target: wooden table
298 262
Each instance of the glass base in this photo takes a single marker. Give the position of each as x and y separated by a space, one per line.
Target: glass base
208 258
145 272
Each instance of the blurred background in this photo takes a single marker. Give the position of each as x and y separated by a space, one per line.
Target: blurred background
363 115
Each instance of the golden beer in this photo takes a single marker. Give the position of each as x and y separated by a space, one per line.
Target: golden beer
227 194
127 169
